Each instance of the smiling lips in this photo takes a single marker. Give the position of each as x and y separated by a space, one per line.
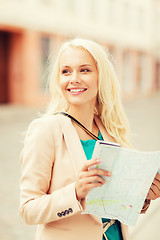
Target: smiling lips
76 90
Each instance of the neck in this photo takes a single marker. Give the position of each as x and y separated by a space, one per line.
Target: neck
84 116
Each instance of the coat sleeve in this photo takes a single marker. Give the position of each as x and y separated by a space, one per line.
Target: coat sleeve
37 161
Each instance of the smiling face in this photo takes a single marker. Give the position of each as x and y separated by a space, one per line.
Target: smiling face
78 77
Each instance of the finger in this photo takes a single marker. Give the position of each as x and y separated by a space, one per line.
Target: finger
96 178
89 180
156 183
94 185
83 186
101 172
157 177
148 196
90 163
154 192
151 194
155 189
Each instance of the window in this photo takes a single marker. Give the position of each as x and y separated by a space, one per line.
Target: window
140 19
45 1
71 5
111 10
143 82
126 15
128 82
93 9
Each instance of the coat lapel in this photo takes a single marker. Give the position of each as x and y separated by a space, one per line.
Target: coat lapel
74 146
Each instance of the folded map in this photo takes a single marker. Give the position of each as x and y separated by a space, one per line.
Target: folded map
123 195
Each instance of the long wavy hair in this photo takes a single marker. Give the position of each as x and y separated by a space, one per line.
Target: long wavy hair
108 107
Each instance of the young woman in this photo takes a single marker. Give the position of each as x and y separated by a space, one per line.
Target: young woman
58 153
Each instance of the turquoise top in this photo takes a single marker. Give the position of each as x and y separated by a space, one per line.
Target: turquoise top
114 231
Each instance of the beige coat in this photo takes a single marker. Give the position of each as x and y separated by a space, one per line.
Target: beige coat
51 160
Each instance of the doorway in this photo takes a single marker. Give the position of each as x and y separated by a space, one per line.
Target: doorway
4 65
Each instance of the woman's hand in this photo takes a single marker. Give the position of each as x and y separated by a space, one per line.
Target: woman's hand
89 178
154 191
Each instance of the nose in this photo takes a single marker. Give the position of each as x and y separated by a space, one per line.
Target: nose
75 77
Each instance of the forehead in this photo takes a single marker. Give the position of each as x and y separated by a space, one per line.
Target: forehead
76 56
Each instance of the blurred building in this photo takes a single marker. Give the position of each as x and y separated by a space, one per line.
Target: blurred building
31 29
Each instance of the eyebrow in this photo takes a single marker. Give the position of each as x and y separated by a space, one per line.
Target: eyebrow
83 65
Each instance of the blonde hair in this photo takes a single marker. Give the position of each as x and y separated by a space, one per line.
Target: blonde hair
108 108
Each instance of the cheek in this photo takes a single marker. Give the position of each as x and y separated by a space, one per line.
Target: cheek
62 84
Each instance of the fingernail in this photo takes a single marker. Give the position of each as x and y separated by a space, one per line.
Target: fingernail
109 174
98 160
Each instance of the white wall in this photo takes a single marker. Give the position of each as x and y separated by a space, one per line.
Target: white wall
126 23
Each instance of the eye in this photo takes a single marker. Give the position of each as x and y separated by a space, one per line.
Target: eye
65 71
85 70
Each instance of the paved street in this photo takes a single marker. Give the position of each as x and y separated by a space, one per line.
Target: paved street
144 116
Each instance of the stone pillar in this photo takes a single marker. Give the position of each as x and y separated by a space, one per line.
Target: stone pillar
15 69
31 67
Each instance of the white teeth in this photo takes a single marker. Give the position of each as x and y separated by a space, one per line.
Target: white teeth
77 90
